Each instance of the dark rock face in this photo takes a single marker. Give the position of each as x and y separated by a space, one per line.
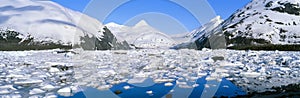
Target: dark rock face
106 42
213 40
286 8
9 41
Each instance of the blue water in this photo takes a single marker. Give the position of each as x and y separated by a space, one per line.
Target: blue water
226 89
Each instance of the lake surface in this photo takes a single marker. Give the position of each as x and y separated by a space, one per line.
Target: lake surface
148 73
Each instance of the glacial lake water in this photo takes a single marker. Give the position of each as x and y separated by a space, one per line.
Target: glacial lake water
148 73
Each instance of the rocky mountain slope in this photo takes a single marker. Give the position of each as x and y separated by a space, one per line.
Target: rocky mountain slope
261 24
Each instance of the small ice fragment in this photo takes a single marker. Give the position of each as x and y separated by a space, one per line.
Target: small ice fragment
15 96
210 78
226 86
28 82
126 87
195 85
251 74
2 65
36 91
168 84
206 86
149 92
50 96
104 87
48 87
163 80
53 70
64 92
4 91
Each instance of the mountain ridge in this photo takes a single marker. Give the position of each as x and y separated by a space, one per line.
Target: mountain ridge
141 35
260 23
47 23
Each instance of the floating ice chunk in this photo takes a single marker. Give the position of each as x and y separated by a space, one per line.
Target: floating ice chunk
36 91
206 86
226 86
69 54
4 91
284 69
195 85
184 86
35 96
296 62
75 89
163 80
149 92
168 84
222 70
210 78
54 70
48 87
104 87
65 92
50 96
202 74
126 87
15 76
2 65
252 54
250 74
28 82
136 80
8 87
233 64
15 96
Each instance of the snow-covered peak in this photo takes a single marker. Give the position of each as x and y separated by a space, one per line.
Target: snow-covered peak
141 35
113 24
216 19
260 24
46 21
206 28
275 21
141 23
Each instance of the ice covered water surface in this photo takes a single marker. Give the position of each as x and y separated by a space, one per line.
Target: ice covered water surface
52 73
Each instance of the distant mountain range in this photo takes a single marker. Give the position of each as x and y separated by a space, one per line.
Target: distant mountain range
260 25
142 35
42 24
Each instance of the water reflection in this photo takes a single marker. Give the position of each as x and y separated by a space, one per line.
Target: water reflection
163 90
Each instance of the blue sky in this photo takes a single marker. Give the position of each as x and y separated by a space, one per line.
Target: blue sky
168 17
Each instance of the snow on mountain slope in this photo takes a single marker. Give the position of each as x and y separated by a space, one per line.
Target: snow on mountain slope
260 23
46 21
181 38
142 35
197 34
206 28
275 21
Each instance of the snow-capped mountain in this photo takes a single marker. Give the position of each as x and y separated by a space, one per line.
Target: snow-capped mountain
141 35
260 23
199 34
206 28
47 22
